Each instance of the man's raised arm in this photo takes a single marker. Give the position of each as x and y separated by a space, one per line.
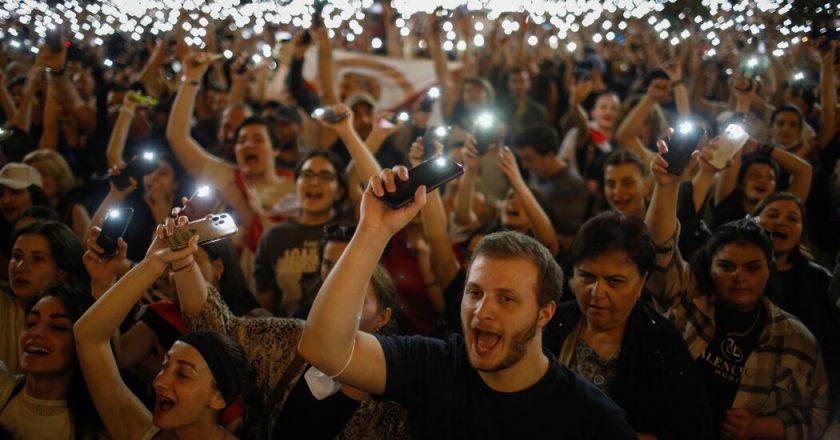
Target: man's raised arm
331 340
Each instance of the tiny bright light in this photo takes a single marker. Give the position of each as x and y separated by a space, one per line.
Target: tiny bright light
203 191
113 213
148 155
686 127
441 132
440 161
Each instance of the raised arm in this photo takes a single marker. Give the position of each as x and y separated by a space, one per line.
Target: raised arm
828 97
123 413
674 72
800 170
444 76
366 163
537 217
464 197
6 100
119 134
49 138
331 339
729 177
294 80
84 115
326 66
22 118
188 152
628 132
445 264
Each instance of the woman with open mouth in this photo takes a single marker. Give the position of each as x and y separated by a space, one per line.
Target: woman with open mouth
762 368
50 400
41 254
803 284
202 374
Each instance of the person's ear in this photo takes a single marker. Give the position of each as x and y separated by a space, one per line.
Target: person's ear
383 318
546 312
218 267
217 402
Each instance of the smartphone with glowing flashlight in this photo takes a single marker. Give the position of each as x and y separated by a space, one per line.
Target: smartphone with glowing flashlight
683 142
432 173
115 224
730 142
213 227
136 168
202 202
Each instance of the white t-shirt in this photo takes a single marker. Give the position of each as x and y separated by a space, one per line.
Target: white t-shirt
30 418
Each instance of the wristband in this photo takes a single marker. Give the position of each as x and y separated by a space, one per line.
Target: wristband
186 80
192 261
58 72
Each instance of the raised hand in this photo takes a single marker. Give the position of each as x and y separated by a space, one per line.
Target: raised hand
418 150
659 167
195 65
159 250
378 218
382 126
102 269
120 194
507 162
472 160
345 124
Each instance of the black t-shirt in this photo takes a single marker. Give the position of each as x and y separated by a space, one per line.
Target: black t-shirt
447 398
722 362
305 417
729 209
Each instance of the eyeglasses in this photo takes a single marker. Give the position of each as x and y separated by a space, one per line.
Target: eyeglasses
323 176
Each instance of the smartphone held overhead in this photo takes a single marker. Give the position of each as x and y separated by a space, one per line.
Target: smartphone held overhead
432 173
683 142
115 224
728 144
138 167
213 227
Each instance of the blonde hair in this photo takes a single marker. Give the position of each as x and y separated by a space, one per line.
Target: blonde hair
55 164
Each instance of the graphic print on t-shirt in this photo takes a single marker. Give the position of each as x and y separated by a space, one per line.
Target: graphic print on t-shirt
297 261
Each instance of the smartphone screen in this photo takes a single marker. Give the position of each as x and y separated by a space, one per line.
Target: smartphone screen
433 133
431 173
53 39
683 142
114 227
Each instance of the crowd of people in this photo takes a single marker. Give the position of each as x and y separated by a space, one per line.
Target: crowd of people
643 241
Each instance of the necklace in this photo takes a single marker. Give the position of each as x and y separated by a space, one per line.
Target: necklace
747 331
729 347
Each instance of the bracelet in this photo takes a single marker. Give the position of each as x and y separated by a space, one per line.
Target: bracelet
192 261
58 72
663 249
186 80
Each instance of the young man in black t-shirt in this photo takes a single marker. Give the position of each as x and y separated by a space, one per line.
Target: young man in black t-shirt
495 381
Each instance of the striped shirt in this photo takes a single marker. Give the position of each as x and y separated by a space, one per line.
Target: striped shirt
783 377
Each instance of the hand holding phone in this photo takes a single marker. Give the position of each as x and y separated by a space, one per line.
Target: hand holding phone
136 168
432 173
484 131
684 140
114 227
202 202
733 139
327 114
212 228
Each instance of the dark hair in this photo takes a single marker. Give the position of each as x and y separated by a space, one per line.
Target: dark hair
516 70
651 76
753 159
743 232
233 286
543 138
336 231
383 288
65 247
624 156
259 120
800 249
789 108
508 245
598 95
334 160
76 299
40 213
613 231
212 346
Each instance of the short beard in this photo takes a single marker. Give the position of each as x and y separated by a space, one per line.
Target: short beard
517 351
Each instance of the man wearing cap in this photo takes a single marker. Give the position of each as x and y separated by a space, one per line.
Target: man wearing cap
363 106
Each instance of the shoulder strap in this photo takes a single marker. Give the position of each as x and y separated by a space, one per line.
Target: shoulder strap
15 391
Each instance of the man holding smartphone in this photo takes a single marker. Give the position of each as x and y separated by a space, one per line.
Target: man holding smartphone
495 381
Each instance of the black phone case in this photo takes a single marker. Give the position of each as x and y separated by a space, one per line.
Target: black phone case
483 139
112 230
432 173
429 139
137 168
680 149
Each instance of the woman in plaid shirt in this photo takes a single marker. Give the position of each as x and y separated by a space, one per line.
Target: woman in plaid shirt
763 369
